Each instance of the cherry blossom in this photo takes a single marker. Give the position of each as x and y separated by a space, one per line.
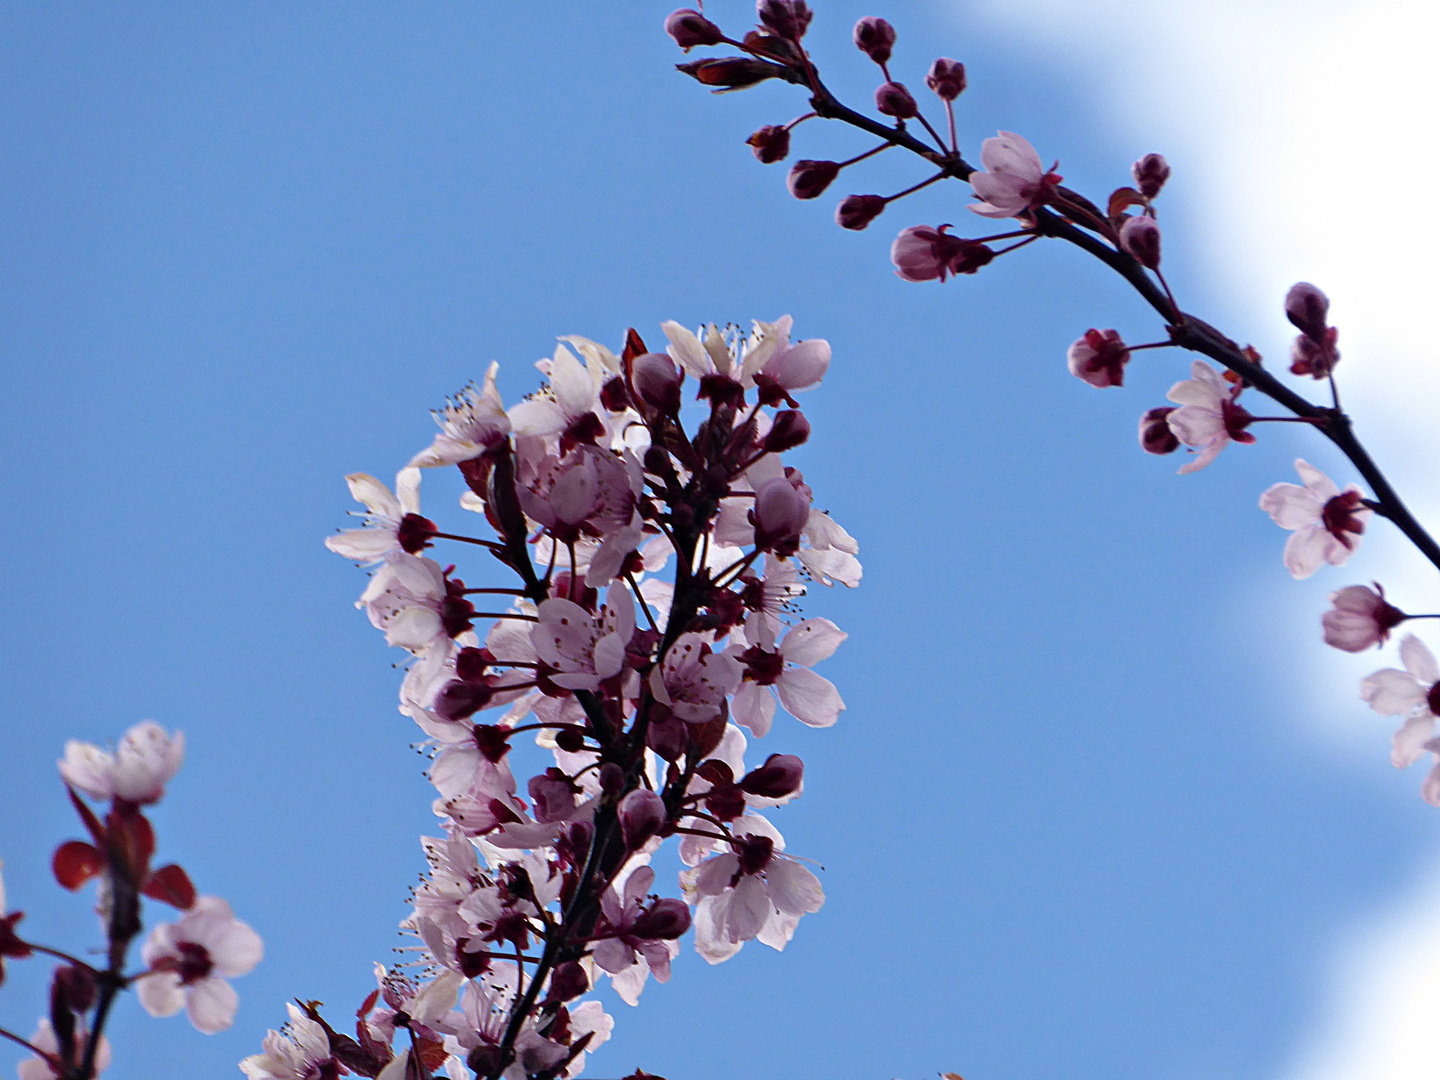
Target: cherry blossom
138 770
585 649
784 668
750 892
1208 418
299 1052
469 426
43 1038
1014 181
1327 522
1360 617
190 960
694 679
1414 694
392 523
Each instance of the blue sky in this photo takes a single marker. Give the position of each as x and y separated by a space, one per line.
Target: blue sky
1086 812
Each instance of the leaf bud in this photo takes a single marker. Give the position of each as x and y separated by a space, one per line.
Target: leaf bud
946 78
689 28
730 72
875 37
809 179
770 143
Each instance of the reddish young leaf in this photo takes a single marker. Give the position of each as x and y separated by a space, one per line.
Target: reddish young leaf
75 863
171 885
92 823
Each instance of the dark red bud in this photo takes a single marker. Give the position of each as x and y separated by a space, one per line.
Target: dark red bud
657 382
668 919
1308 308
789 430
1140 237
1150 174
771 143
570 739
875 38
568 981
613 395
788 19
893 99
781 775
689 28
946 78
1155 434
642 814
809 179
612 778
857 211
459 699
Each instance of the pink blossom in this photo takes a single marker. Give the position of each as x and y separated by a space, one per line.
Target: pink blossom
750 892
136 772
781 512
921 253
1413 693
784 668
1208 418
189 958
637 930
1014 182
43 1038
392 523
300 1052
1099 358
567 405
693 679
469 426
1360 617
405 599
1327 522
585 649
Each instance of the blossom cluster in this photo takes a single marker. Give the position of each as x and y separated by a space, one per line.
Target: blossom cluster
187 962
656 546
1206 415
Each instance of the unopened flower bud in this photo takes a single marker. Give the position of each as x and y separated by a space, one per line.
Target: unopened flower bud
730 72
1307 308
1155 434
1360 617
1150 174
642 814
1140 237
657 381
810 178
780 513
857 211
788 19
921 253
946 78
893 99
1099 358
459 699
689 28
780 776
875 38
771 143
567 982
1316 360
667 920
789 430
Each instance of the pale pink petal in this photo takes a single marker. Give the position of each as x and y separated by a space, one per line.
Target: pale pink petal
362 545
1323 487
364 488
235 949
750 906
812 641
686 350
211 1005
753 707
1392 693
1307 550
1208 453
793 888
1408 745
162 994
1419 660
810 698
1292 506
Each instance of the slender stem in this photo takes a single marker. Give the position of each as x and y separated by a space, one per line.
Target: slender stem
25 1043
933 133
915 187
63 956
1187 331
491 544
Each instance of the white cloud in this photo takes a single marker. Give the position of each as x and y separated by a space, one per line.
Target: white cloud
1306 130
